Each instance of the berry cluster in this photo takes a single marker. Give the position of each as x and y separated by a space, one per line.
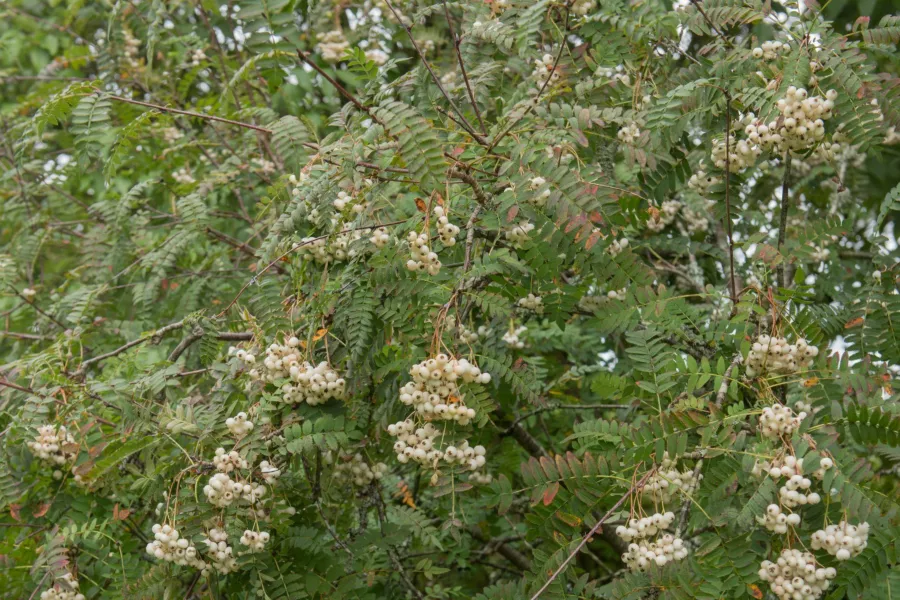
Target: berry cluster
796 492
617 74
802 122
695 220
311 384
423 259
380 237
183 176
777 521
843 541
53 445
583 7
469 336
668 482
324 250
642 552
539 183
481 478
617 294
344 199
776 355
616 247
226 462
255 541
352 468
169 546
197 57
269 472
740 154
544 71
434 392
701 181
332 46
447 231
513 337
421 445
239 425
68 590
377 56
770 50
779 420
532 302
29 294
245 357
221 555
629 134
517 235
796 575
132 49
663 216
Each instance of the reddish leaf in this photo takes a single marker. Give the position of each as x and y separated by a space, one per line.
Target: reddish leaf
420 204
512 212
854 323
42 510
14 511
550 493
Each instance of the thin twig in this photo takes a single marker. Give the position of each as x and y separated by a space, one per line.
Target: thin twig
470 238
550 407
781 277
188 113
637 486
728 197
685 507
437 80
473 183
723 387
343 91
462 67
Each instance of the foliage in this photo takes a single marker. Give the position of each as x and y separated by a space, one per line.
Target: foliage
547 190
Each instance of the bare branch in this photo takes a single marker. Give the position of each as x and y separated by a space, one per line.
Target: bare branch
188 113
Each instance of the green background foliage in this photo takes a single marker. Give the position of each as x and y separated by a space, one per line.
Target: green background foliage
149 156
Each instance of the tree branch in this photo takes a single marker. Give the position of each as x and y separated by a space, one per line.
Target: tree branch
781 278
463 121
462 67
188 113
637 486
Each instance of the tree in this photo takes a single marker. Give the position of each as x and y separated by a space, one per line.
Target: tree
503 300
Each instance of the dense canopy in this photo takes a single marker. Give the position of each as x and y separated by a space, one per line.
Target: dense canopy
492 299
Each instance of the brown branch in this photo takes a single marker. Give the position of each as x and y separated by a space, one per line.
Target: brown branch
781 277
188 113
341 89
723 387
550 407
6 383
637 486
473 183
734 298
156 335
462 67
463 121
470 237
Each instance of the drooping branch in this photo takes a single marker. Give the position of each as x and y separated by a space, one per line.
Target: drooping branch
781 277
